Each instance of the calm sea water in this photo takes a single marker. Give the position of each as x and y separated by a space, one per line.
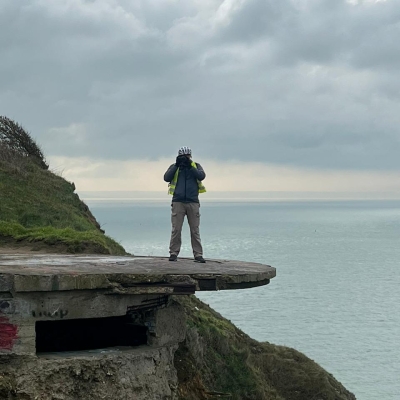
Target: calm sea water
336 296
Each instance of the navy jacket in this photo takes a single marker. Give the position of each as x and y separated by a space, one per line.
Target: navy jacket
186 190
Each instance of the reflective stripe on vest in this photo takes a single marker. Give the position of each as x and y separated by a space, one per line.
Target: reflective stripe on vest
172 185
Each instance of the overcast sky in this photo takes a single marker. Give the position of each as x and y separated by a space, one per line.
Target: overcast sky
297 94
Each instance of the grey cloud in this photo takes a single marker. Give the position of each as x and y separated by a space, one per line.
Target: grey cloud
324 31
311 85
362 35
255 20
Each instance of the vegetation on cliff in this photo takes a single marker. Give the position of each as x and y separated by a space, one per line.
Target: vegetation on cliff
38 208
218 360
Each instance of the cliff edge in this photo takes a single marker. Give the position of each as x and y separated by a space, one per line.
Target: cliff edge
218 360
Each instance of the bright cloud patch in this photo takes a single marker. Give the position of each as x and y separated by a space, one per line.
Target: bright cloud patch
144 175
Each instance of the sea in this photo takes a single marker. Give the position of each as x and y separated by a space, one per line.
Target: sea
336 295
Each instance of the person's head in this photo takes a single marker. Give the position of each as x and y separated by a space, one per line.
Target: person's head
185 151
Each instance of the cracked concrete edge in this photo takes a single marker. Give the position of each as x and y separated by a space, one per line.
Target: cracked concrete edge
144 284
148 275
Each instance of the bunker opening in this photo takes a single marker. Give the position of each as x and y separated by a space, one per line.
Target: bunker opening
88 334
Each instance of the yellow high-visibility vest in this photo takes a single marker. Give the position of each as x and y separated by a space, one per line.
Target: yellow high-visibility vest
172 185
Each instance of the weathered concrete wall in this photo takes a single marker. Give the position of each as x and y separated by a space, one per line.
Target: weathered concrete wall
19 315
169 326
143 373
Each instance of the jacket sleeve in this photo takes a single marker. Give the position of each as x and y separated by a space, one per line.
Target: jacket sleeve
199 172
169 175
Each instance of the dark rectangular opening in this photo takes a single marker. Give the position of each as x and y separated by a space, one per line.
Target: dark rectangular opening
88 334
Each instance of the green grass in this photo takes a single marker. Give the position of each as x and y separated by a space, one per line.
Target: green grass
35 197
233 363
68 239
40 208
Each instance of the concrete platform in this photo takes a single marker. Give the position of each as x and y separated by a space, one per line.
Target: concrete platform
51 303
25 273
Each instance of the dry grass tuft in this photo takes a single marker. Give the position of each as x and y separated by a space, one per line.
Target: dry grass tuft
16 144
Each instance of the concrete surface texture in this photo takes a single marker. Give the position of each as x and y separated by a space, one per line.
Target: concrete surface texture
141 373
120 372
32 273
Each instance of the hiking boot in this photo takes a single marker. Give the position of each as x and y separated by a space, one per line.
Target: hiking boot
173 257
199 259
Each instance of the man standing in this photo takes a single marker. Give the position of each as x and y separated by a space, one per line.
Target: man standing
184 179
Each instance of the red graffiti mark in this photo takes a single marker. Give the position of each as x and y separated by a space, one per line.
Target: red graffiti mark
8 334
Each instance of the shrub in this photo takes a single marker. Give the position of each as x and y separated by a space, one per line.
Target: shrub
15 143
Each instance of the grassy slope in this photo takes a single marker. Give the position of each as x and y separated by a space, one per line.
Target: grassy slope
40 209
218 357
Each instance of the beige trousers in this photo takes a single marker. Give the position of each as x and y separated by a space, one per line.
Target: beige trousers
192 211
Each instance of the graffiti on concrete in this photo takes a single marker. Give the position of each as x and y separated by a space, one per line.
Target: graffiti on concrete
8 334
55 314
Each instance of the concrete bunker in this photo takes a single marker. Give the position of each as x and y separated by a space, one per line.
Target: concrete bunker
58 312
